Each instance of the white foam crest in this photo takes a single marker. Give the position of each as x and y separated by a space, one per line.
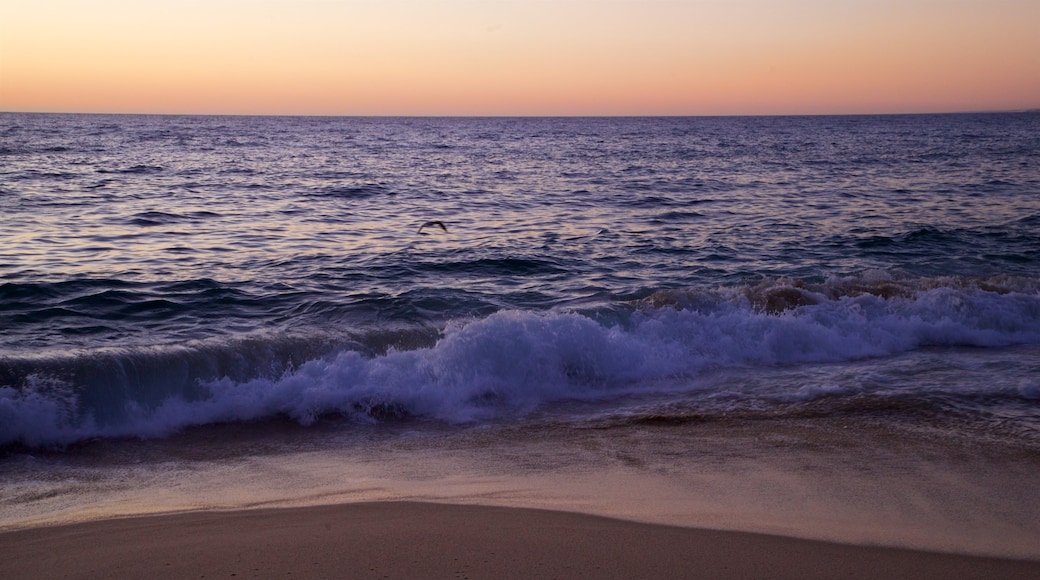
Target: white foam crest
512 362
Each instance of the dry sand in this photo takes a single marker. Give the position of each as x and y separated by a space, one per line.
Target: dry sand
424 540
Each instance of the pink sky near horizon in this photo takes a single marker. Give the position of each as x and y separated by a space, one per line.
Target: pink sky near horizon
519 57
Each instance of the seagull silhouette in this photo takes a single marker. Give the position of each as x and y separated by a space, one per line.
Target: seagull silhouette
432 224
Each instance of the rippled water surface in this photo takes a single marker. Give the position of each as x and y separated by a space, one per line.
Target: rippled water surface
158 272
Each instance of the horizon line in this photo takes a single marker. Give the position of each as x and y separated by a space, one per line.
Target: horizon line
533 116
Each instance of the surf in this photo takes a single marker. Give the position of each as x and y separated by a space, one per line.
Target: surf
504 365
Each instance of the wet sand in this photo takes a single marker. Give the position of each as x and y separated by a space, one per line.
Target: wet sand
425 540
838 482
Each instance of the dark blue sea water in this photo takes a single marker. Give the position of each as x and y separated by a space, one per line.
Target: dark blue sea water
158 273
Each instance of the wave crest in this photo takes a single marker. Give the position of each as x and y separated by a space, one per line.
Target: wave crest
512 362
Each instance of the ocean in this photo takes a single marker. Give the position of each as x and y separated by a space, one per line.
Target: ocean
689 320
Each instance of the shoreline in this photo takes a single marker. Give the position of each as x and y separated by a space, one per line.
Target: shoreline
828 480
414 539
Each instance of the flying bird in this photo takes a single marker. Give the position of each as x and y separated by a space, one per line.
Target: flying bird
432 224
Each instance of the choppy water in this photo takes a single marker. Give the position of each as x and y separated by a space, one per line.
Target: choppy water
163 272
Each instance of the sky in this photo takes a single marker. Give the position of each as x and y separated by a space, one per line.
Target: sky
519 57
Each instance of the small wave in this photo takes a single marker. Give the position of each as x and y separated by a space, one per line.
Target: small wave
514 266
39 315
1031 220
654 201
160 218
135 169
12 294
363 191
922 236
678 216
153 218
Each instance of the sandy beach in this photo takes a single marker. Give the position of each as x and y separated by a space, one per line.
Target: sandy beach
748 347
424 540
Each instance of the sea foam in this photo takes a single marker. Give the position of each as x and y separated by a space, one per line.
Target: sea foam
513 362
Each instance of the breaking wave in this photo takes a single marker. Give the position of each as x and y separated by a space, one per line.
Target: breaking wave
506 364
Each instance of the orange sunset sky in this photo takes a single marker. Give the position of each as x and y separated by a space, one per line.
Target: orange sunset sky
519 57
